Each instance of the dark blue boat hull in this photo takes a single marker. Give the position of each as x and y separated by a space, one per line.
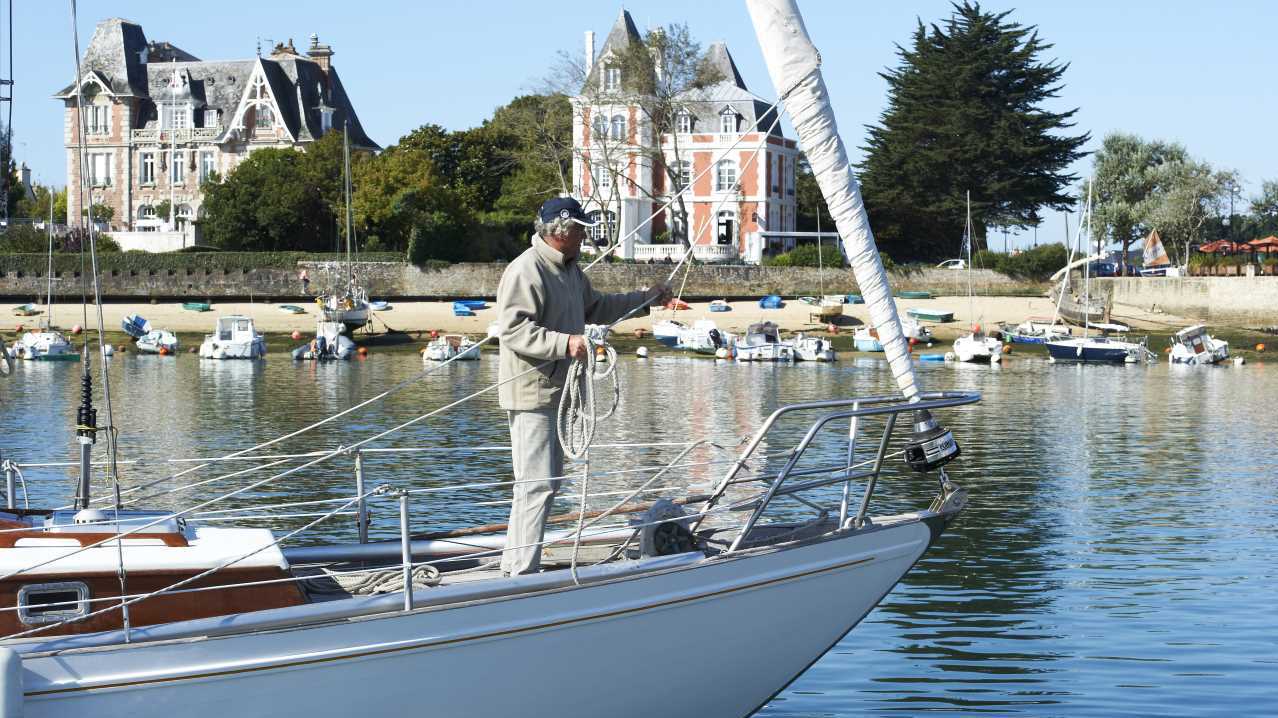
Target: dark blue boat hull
1095 355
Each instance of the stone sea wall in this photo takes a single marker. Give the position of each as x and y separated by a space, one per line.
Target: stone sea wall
393 280
1239 301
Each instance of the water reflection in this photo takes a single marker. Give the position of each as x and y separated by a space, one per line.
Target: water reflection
1118 552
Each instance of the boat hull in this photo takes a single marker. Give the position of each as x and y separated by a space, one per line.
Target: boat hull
1089 354
530 646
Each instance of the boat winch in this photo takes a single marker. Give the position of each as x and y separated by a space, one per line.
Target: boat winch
664 530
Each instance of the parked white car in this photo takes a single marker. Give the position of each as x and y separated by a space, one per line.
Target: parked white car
953 264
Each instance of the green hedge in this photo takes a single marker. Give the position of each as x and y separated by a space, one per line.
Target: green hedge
212 261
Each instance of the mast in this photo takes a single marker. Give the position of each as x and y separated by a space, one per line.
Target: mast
346 187
967 239
173 81
1087 266
48 230
795 68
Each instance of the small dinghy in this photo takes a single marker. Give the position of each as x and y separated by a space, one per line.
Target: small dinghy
330 343
772 301
380 305
451 346
866 339
44 345
236 338
914 294
197 306
135 326
25 310
158 341
704 337
1193 345
931 315
461 309
720 305
291 309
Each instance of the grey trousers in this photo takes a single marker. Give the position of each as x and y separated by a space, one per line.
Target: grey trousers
535 454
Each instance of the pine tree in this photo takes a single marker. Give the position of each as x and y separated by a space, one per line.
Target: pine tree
964 114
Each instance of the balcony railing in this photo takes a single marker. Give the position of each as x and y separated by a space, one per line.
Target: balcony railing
188 134
673 252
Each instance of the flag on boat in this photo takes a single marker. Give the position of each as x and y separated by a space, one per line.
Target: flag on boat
1154 254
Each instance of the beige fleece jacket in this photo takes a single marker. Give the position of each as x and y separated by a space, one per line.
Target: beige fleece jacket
541 302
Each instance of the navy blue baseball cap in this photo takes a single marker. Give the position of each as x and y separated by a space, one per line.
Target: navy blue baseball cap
564 208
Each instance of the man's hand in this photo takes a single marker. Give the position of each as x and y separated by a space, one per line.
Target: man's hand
577 347
662 293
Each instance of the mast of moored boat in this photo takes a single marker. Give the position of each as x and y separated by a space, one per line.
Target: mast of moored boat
48 305
346 188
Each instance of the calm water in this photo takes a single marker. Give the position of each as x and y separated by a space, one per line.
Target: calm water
1118 556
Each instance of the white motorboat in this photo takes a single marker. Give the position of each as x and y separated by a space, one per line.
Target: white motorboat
978 347
451 346
762 342
158 341
808 348
235 338
1193 345
704 337
913 329
44 345
330 342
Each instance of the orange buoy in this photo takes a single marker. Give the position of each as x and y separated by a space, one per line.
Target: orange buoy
296 335
164 351
913 341
976 328
1259 347
17 329
1007 348
122 349
363 351
640 333
832 328
434 334
1167 350
77 329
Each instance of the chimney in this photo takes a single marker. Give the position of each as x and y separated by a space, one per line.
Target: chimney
321 54
25 173
590 50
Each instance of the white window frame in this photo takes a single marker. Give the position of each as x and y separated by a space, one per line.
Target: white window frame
211 118
208 164
602 175
683 123
730 215
146 168
729 116
177 167
612 78
603 221
98 119
683 174
100 176
177 117
263 117
725 176
146 211
617 127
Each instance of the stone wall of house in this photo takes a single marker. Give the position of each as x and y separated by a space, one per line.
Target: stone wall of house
390 280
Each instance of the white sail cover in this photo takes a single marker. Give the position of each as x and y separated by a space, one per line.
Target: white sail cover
794 65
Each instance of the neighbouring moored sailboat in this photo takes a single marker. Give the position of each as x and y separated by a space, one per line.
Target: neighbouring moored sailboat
45 343
347 302
121 610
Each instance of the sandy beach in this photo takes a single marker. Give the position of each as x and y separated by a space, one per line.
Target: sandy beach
427 316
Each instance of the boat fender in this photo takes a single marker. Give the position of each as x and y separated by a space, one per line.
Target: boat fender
11 699
664 530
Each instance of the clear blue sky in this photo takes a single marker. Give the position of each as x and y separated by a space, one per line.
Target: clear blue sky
1199 73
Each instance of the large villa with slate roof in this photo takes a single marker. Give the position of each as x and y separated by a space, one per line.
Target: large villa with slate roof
159 121
733 159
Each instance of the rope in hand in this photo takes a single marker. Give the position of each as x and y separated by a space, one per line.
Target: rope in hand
578 414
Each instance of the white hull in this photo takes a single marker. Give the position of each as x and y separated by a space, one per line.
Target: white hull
352 318
562 653
780 351
158 339
441 351
43 346
813 349
251 349
971 348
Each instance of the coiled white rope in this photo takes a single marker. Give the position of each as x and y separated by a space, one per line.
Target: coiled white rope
578 415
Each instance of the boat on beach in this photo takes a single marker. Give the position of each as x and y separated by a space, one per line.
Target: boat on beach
135 326
347 302
940 316
1193 345
667 331
1033 331
704 337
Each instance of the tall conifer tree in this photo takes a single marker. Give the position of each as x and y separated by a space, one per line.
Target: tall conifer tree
965 114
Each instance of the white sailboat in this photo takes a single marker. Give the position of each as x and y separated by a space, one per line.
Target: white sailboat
157 613
1089 349
45 343
976 346
347 304
451 346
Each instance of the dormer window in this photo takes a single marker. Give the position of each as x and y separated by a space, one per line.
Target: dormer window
612 78
264 119
211 118
728 121
176 117
683 123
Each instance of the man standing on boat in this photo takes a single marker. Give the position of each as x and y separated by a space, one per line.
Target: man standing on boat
543 303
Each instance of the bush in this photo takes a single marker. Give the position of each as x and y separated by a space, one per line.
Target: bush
1038 263
806 255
